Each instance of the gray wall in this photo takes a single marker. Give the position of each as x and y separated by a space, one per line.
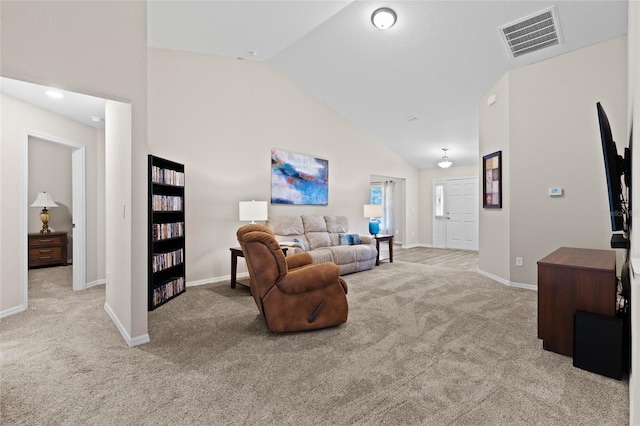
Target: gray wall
546 125
95 48
221 117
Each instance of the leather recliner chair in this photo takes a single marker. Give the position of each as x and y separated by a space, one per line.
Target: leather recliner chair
292 293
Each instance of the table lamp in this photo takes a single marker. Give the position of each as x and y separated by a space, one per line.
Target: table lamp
44 200
253 210
373 211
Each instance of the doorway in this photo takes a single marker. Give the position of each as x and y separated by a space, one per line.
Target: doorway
78 227
456 213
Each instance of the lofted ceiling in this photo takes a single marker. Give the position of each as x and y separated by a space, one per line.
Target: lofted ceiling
415 87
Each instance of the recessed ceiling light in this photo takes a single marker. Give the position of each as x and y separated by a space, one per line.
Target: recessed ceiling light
55 94
96 119
383 18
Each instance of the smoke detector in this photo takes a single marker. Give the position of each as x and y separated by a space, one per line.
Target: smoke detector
532 33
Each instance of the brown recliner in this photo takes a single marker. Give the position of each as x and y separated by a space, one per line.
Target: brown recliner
291 292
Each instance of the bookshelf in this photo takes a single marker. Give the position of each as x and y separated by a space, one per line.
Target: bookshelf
166 273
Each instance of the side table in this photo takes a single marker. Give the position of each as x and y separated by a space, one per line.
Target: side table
47 249
235 253
389 240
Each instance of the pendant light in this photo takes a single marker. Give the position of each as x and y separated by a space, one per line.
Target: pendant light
445 163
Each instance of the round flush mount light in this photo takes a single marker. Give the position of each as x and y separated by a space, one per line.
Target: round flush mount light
383 18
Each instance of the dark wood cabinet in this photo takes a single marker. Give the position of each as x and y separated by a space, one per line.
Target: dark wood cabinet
47 249
571 279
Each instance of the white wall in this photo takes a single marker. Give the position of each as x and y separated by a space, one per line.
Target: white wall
95 48
221 117
545 123
17 117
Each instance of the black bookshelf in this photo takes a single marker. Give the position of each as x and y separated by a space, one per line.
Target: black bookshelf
166 269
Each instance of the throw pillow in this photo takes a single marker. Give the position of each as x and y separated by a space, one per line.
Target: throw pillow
350 239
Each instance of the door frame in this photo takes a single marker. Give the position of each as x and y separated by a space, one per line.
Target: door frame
442 221
78 178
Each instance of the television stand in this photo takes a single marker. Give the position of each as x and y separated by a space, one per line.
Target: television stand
619 241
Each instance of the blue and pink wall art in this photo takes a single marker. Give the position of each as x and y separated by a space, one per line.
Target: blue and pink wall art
298 179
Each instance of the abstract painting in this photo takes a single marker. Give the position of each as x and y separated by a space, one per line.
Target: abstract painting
492 184
299 179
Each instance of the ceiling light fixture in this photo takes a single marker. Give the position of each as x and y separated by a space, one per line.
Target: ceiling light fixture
383 18
55 94
445 163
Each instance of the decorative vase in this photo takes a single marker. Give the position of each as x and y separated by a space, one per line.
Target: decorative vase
374 227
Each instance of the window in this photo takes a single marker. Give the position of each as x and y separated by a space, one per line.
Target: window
375 194
439 210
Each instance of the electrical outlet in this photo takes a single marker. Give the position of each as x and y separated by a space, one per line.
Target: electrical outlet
518 261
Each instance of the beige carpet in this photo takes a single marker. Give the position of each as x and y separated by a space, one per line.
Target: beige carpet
433 345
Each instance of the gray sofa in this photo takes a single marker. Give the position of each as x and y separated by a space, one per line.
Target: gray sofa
326 239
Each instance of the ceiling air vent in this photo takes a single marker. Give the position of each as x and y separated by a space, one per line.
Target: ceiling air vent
535 32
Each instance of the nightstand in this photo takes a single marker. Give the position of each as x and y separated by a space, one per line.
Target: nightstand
47 249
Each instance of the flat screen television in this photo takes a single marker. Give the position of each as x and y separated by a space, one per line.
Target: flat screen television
618 173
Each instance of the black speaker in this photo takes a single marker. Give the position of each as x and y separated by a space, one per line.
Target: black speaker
598 344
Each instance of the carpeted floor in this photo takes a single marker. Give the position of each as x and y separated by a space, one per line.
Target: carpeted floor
424 344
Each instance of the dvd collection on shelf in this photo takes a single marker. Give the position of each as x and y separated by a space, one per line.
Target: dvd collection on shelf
167 176
165 231
162 261
167 203
168 290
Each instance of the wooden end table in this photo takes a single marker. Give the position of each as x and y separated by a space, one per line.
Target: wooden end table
235 253
389 240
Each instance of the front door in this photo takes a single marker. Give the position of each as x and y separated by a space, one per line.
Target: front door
461 213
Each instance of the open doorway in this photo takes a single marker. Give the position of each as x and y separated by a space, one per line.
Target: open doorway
58 165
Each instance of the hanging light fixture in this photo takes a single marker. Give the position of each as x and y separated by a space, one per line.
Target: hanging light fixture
383 18
445 160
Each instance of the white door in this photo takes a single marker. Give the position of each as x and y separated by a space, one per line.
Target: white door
461 213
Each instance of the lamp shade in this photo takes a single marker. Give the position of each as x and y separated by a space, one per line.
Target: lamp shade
372 210
253 210
44 200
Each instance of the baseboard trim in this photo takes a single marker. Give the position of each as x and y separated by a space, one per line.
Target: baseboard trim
95 283
410 246
216 279
12 311
131 342
508 283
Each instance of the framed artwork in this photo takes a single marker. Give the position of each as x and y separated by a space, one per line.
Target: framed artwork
299 179
492 183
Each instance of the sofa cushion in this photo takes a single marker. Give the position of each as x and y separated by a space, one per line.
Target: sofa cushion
349 239
318 240
337 224
313 224
286 225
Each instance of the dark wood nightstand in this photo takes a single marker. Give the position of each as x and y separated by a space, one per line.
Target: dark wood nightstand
47 249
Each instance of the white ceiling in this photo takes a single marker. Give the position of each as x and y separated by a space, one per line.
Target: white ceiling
434 64
73 105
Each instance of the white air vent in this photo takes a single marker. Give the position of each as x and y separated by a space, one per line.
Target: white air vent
535 32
